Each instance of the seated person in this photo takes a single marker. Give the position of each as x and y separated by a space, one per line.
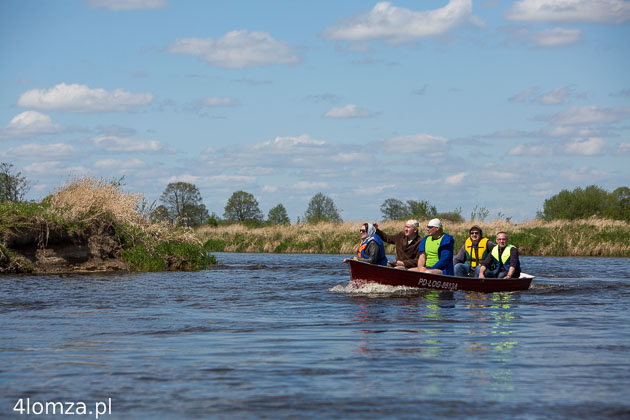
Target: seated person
371 249
470 256
406 242
504 258
436 250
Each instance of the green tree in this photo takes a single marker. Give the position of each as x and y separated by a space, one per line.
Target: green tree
183 204
393 209
321 209
577 204
159 214
620 203
278 215
242 206
13 186
454 216
421 209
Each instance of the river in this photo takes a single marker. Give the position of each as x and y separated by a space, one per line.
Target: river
284 336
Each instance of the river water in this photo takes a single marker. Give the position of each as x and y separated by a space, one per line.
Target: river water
285 336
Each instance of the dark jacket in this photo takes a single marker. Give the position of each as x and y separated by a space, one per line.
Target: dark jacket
405 252
373 254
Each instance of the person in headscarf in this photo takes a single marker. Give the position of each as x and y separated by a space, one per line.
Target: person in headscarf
371 249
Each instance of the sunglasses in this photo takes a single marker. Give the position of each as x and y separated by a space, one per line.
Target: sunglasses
362 230
474 233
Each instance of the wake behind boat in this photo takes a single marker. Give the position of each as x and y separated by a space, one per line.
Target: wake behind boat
364 272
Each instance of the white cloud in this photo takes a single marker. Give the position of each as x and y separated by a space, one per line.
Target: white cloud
593 11
33 151
542 189
119 164
553 97
231 178
216 101
419 143
587 147
522 150
289 143
269 188
623 148
525 95
191 179
30 123
80 98
117 5
49 167
583 174
346 157
348 111
122 144
456 179
310 185
374 189
237 49
556 96
556 37
400 25
584 115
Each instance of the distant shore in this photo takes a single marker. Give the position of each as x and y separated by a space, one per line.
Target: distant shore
591 237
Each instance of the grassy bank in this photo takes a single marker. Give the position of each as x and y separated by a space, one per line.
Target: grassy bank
89 225
589 237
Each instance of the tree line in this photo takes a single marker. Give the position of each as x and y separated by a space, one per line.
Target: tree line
181 203
590 201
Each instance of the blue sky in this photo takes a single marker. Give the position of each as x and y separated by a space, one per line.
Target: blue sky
496 104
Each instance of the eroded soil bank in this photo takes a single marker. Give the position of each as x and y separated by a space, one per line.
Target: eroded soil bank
40 247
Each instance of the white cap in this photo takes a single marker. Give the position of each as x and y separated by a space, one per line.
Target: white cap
413 223
435 223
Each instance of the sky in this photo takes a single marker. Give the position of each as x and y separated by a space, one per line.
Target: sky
466 104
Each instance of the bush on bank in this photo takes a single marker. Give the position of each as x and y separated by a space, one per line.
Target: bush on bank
585 237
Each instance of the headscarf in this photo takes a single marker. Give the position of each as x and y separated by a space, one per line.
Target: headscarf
369 234
371 230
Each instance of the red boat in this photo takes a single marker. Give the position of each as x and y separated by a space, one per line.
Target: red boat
364 272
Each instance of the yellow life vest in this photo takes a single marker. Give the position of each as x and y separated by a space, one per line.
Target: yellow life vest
505 256
477 254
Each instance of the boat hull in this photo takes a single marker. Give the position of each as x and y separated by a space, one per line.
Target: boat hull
364 272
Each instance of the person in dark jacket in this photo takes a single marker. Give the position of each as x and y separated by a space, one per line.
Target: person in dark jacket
406 242
504 258
372 249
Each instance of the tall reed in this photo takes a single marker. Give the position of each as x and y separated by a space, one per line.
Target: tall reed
588 237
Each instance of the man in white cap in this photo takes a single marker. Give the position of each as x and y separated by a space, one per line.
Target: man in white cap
436 250
406 242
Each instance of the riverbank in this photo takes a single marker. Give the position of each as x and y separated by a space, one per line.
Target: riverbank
92 226
587 238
